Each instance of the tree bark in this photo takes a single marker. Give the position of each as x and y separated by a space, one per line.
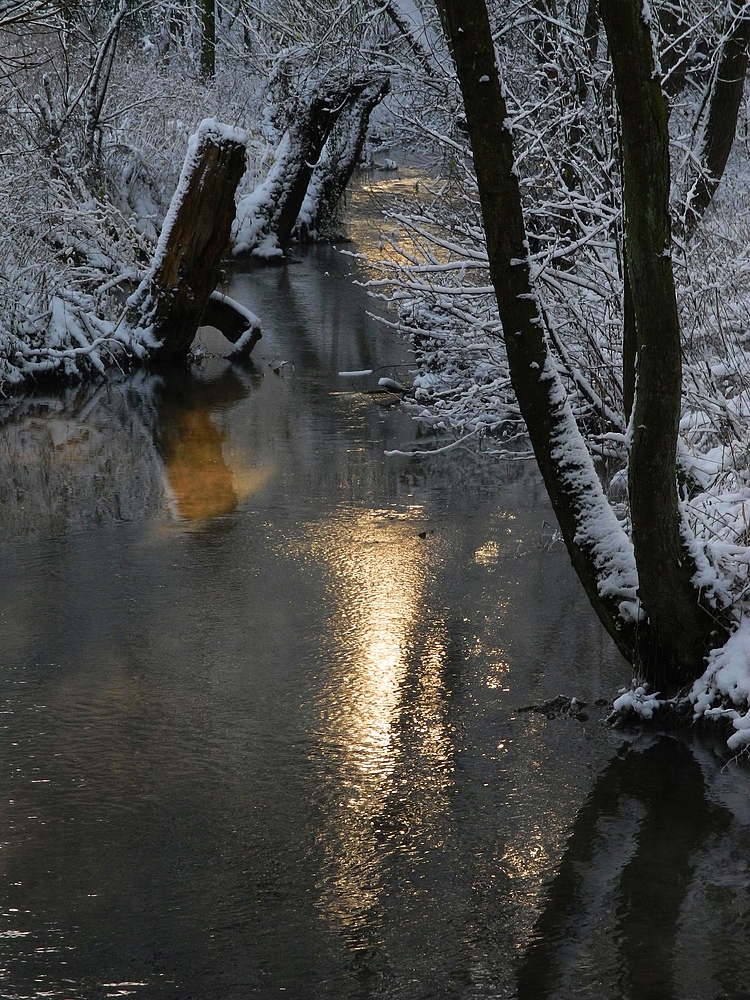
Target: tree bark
674 48
170 302
594 539
724 106
208 38
682 626
268 216
336 164
591 30
629 344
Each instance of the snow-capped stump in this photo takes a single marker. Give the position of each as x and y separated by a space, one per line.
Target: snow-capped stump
168 305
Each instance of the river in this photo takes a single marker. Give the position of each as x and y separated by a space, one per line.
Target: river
261 705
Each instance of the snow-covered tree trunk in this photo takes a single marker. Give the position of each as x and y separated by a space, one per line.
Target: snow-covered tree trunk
341 154
600 550
670 641
266 218
682 626
723 110
169 303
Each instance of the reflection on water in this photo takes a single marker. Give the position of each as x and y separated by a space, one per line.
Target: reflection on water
258 707
205 481
612 920
382 709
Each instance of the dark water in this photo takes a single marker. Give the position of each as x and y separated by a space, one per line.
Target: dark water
259 707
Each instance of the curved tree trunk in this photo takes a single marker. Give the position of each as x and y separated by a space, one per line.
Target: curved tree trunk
681 624
599 548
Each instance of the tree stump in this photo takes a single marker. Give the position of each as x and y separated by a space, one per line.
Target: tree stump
168 305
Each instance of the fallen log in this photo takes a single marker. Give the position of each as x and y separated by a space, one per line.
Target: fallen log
168 306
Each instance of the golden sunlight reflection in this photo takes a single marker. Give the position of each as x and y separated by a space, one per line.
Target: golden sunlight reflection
203 483
375 193
487 554
385 738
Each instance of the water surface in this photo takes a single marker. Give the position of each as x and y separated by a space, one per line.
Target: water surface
259 705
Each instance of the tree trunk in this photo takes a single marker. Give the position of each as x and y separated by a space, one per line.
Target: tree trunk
724 106
674 48
681 625
169 303
340 156
267 217
599 548
629 344
208 38
237 323
591 30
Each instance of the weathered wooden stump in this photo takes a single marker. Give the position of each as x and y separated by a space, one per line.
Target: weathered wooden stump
168 306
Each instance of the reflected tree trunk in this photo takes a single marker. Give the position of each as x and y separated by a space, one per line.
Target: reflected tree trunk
628 866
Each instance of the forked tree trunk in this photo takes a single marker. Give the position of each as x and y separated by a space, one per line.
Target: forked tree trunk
169 303
669 646
334 169
682 626
599 549
267 217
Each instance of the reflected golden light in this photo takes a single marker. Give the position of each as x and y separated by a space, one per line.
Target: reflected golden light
202 482
250 480
497 675
384 728
487 554
529 857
